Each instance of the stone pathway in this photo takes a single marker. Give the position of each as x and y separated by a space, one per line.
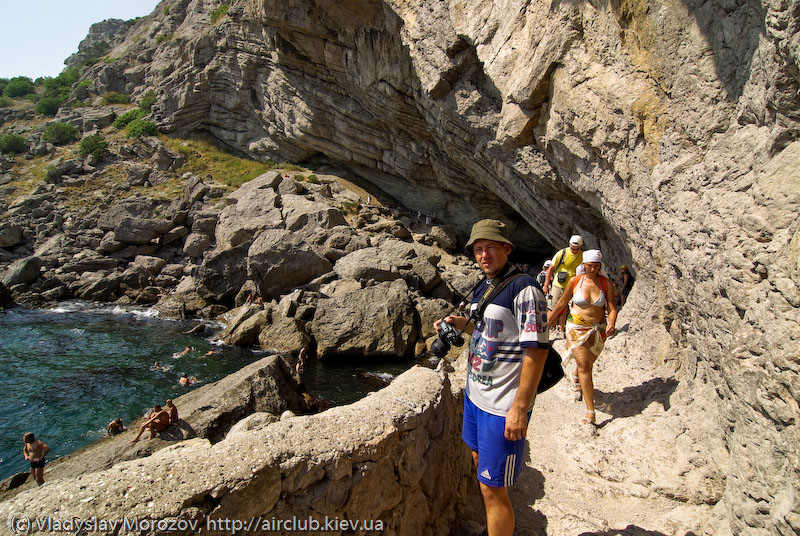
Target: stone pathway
590 481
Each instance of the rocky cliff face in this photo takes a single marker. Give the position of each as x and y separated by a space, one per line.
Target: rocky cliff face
662 131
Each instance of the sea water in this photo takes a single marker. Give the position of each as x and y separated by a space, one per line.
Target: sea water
66 372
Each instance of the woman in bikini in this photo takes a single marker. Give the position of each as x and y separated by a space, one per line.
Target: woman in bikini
593 297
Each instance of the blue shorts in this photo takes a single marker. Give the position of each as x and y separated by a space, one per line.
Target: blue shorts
500 461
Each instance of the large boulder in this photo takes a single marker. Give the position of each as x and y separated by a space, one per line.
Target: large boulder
284 335
279 260
141 230
89 261
299 212
267 385
251 208
374 321
134 207
10 236
370 264
23 271
96 287
196 244
248 331
223 273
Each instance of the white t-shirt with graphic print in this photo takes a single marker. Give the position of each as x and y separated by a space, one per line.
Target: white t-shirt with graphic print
515 320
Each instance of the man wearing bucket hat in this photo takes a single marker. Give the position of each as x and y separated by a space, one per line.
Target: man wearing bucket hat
507 354
563 268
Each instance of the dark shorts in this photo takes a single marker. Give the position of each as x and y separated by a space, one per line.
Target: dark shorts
39 464
500 461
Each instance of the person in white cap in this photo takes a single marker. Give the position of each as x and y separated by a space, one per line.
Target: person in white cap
507 355
563 268
541 277
591 320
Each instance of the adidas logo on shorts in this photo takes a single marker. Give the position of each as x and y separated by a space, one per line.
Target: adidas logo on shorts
485 474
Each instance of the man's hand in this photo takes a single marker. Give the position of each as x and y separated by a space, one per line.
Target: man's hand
516 424
458 322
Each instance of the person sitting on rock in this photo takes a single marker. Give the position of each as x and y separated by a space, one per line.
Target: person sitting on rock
173 411
157 421
115 427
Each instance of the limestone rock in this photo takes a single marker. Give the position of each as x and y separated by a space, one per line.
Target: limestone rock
223 273
284 335
151 264
278 261
22 271
252 208
140 230
196 244
10 236
300 212
377 320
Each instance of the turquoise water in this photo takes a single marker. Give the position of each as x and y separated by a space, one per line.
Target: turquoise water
68 371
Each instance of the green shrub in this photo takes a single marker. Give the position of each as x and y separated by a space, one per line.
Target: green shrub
60 133
95 145
219 12
163 37
123 120
139 127
112 97
60 86
351 207
13 143
84 83
148 100
6 102
48 106
51 174
3 84
19 87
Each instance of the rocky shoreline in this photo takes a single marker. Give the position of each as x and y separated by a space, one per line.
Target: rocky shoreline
313 254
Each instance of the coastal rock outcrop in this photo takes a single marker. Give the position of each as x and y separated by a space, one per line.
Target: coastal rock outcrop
265 387
392 460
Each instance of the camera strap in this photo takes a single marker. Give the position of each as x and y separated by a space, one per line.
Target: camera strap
501 281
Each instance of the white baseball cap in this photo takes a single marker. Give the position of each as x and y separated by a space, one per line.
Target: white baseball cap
576 240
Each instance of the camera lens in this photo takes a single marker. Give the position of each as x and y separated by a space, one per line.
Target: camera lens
439 347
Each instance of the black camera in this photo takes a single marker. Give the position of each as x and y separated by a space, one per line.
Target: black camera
448 336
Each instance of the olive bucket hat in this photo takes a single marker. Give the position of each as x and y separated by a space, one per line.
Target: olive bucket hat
488 230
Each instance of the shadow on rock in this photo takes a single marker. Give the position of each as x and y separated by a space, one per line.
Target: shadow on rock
181 430
633 400
528 489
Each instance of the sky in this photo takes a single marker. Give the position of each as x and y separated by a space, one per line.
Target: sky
36 36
